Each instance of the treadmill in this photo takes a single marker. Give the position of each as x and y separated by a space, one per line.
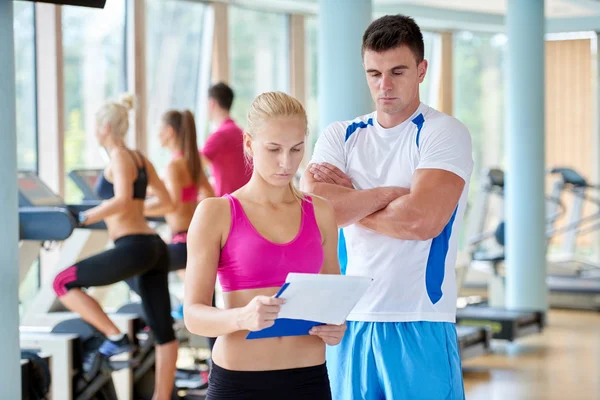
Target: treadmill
566 290
40 220
504 324
35 198
43 216
86 180
473 341
566 262
143 379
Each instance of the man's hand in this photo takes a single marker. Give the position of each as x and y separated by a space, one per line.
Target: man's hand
331 334
327 173
350 204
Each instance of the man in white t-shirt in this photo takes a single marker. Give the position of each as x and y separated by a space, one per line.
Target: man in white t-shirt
398 180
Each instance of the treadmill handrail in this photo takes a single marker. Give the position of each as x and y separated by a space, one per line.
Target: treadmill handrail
46 223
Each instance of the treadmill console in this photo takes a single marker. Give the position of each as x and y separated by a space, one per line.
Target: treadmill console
86 180
496 177
43 214
34 193
570 176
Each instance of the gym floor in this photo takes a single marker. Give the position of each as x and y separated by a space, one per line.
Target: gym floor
561 363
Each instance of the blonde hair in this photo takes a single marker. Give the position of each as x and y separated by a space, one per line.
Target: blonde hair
115 114
273 105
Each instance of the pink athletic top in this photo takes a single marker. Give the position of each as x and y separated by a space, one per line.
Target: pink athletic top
188 193
250 261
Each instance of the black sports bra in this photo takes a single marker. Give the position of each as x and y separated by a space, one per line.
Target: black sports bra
106 190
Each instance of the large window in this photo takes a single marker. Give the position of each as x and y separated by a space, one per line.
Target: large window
479 96
479 103
429 89
311 78
94 72
25 79
24 31
259 54
178 65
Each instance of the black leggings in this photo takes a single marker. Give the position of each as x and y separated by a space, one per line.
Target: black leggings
177 261
177 256
145 259
289 384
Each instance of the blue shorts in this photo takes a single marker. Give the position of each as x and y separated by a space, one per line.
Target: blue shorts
396 360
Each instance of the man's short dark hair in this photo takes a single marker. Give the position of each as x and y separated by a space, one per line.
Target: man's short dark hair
393 31
222 94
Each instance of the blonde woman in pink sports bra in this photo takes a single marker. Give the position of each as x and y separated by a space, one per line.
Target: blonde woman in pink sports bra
251 240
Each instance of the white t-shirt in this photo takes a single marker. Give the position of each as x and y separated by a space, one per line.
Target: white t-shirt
412 280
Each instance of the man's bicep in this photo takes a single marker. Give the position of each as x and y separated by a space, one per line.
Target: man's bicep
438 190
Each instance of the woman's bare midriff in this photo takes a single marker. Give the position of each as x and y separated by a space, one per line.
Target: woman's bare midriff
235 352
180 219
130 221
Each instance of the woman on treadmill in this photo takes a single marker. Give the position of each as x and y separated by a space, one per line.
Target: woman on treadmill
187 184
185 180
251 240
138 251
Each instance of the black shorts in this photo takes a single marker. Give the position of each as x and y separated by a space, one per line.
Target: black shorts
143 259
288 384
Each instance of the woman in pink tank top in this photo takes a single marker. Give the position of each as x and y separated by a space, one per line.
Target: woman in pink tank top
184 179
250 240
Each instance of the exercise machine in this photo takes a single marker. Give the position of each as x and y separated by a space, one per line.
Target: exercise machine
187 380
484 278
189 383
473 341
69 344
504 324
567 261
80 242
44 218
86 180
35 375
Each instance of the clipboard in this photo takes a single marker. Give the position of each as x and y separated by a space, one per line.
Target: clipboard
313 300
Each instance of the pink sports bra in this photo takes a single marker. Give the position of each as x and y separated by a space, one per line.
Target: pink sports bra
250 261
188 193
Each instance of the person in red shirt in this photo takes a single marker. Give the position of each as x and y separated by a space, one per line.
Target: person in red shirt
224 150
